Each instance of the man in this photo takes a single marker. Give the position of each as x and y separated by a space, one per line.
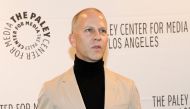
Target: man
88 85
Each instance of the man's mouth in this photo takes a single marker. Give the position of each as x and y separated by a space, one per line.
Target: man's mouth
96 47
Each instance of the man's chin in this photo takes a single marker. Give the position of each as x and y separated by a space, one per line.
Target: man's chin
96 58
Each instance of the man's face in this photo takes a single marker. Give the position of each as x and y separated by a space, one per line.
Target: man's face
90 36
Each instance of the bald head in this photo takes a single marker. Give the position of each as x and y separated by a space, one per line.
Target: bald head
89 34
83 13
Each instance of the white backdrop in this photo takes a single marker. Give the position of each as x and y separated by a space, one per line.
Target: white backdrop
149 42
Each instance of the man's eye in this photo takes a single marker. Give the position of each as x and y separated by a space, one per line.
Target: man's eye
103 31
89 30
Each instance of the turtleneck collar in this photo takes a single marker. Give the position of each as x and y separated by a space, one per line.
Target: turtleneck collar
91 81
88 69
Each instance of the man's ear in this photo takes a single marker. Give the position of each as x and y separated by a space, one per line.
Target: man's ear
72 40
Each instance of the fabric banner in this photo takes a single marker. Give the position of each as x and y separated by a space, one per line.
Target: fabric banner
149 42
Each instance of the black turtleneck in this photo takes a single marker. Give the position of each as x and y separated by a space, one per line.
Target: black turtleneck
91 82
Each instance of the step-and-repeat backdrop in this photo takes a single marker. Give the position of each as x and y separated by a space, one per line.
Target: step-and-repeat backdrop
149 42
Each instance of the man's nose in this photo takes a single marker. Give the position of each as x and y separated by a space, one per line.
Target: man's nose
97 35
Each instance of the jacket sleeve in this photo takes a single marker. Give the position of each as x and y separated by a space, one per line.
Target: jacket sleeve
44 99
134 98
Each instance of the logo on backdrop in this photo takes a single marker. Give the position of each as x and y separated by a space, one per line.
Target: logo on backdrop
145 34
172 101
26 35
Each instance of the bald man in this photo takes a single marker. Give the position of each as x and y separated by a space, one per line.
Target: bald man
88 84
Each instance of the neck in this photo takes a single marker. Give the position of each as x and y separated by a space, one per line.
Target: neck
88 68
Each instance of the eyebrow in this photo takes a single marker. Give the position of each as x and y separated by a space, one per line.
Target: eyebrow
94 27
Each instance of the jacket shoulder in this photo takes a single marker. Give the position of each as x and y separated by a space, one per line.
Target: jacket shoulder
50 84
120 79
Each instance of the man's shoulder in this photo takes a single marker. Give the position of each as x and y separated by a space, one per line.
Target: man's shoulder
50 87
119 78
57 79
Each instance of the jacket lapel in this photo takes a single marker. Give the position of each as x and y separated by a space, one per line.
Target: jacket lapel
109 89
74 96
72 91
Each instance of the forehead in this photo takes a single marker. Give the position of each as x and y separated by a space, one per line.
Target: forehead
89 13
90 16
